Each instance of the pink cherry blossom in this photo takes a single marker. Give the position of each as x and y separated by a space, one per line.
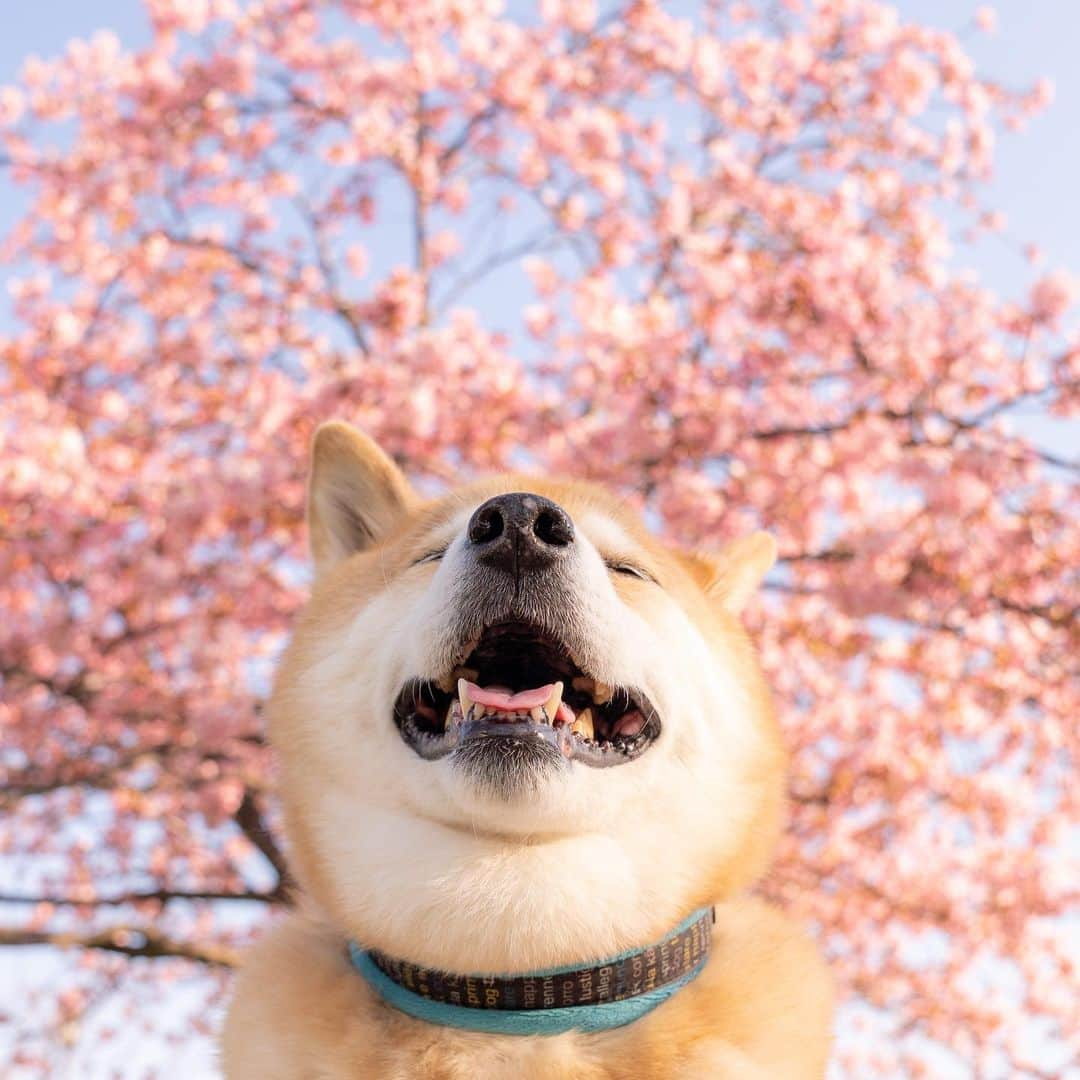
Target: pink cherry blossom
986 19
1052 296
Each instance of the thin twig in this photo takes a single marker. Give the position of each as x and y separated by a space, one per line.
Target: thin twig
127 941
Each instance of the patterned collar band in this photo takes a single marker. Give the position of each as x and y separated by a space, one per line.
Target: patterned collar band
605 995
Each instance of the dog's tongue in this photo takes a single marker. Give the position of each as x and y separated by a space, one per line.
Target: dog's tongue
505 700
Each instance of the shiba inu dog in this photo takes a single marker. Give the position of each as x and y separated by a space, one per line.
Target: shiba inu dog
529 769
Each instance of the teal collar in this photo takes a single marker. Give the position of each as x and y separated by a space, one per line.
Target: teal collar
604 995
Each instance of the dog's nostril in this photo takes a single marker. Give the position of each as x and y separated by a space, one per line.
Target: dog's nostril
554 527
487 525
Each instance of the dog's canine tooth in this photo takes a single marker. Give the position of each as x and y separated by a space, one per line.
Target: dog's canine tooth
463 697
551 706
583 724
538 714
601 693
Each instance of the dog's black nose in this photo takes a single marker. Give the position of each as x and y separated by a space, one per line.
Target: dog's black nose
520 531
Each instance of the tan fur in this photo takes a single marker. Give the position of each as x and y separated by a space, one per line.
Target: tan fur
392 852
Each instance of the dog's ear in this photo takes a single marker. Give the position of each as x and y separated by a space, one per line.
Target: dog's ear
356 494
733 574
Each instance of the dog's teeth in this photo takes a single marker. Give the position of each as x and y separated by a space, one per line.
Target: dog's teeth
450 715
601 693
551 706
538 714
583 725
463 697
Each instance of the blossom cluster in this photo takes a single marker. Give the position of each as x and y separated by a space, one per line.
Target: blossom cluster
707 258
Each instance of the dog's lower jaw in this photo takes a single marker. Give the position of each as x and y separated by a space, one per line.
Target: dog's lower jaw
507 768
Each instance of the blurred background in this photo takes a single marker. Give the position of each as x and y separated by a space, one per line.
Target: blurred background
805 265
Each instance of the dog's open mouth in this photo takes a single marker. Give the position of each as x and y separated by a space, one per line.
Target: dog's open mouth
519 685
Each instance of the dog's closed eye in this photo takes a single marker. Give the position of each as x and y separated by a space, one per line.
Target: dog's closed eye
431 556
619 566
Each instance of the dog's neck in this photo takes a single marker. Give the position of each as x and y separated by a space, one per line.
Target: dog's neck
461 903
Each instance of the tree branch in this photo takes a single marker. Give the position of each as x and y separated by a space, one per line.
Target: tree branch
136 896
1057 462
127 941
827 555
542 240
420 212
253 826
819 429
448 152
338 303
74 776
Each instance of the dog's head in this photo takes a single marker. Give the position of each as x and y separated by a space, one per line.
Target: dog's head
515 729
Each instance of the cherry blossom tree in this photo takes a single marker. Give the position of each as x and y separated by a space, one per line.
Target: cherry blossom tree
710 256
